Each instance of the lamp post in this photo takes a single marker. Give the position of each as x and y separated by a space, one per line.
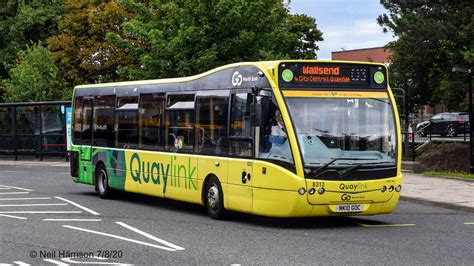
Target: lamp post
471 116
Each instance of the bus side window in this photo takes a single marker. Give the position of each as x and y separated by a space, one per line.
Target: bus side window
211 122
151 131
126 117
179 123
103 121
274 143
77 122
240 137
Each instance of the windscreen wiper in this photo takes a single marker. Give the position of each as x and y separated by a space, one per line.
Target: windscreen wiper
324 167
380 100
345 172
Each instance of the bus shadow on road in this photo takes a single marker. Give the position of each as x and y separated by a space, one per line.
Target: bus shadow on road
177 207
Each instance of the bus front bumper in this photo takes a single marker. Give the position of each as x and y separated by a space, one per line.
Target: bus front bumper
351 198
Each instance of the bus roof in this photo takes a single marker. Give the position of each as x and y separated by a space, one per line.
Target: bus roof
270 65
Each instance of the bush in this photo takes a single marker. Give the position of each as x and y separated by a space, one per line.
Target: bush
452 157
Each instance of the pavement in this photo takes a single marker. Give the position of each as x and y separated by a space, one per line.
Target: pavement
446 192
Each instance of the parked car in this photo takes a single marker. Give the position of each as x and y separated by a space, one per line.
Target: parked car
445 124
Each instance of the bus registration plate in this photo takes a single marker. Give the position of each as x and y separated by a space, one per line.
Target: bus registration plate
350 208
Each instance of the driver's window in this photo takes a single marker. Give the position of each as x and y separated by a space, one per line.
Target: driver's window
274 143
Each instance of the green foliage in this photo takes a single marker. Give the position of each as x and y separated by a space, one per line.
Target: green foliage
432 37
80 49
185 37
35 77
463 175
23 23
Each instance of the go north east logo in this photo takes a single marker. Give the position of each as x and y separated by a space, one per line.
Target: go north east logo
237 79
162 173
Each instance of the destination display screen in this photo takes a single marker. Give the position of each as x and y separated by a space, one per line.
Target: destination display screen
331 75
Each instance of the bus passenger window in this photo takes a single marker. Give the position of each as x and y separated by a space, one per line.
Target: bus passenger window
240 137
211 122
77 123
103 121
179 124
151 129
127 122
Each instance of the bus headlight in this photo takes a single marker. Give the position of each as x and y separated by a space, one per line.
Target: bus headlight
311 191
383 189
390 189
301 191
398 188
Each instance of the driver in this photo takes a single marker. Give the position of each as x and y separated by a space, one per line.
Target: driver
278 135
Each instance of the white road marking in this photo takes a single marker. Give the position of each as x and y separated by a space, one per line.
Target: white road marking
5 188
26 198
150 236
469 223
19 188
41 212
21 263
33 205
386 225
12 193
15 217
72 220
5 264
79 206
119 237
57 262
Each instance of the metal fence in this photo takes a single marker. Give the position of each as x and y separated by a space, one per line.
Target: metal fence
37 129
412 141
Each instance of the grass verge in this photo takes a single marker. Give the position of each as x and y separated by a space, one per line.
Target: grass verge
451 174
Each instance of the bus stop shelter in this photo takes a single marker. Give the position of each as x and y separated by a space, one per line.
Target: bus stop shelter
34 129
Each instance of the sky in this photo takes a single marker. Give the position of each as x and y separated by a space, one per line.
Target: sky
346 24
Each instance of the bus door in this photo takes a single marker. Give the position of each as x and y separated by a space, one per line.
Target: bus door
86 140
240 165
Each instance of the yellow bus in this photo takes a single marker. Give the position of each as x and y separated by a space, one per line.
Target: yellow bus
276 138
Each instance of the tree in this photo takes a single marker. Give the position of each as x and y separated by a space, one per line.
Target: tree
35 77
433 36
185 37
80 49
23 23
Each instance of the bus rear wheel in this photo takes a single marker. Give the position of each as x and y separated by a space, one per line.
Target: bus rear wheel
214 198
102 182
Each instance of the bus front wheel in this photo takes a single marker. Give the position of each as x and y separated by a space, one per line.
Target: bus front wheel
214 198
102 182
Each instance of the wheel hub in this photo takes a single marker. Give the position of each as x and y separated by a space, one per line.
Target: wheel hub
213 197
103 180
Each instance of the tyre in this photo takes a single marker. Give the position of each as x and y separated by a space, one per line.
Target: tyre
214 198
102 182
421 133
451 132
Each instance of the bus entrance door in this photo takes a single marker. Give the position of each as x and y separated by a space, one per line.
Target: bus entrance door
239 191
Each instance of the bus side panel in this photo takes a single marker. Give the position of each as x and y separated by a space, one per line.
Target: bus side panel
85 167
280 203
114 161
162 175
271 176
182 183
